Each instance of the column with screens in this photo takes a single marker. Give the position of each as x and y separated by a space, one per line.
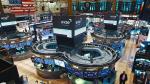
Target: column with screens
93 6
108 6
74 6
87 7
69 31
117 6
81 6
125 6
102 6
129 6
138 6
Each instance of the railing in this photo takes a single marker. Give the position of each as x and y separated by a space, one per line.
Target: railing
114 55
53 51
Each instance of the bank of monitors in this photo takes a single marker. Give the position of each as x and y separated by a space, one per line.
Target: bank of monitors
38 60
29 43
17 45
6 46
105 72
93 6
48 61
89 74
142 64
145 46
12 46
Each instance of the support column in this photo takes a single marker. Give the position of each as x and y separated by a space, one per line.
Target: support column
77 6
69 7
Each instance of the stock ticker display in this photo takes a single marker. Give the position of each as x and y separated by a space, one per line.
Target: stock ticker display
76 72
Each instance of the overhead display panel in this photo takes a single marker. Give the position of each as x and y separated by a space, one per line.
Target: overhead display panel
105 6
145 14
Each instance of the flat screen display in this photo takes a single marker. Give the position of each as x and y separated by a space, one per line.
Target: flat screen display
8 23
48 61
113 22
59 63
38 60
66 32
80 31
15 2
104 72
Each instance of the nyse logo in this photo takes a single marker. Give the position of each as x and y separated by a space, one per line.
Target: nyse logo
67 22
5 18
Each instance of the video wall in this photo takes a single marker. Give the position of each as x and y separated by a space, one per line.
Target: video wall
106 6
89 74
17 48
48 62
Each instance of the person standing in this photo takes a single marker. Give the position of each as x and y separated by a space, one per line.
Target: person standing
123 78
36 82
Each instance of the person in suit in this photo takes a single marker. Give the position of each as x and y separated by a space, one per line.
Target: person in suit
123 78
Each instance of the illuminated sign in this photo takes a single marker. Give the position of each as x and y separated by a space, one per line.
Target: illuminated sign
66 22
8 23
110 22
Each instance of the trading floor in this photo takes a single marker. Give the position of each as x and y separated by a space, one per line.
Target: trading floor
27 68
75 41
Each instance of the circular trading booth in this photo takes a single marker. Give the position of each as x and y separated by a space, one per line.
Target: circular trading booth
111 36
93 63
48 60
46 47
18 44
